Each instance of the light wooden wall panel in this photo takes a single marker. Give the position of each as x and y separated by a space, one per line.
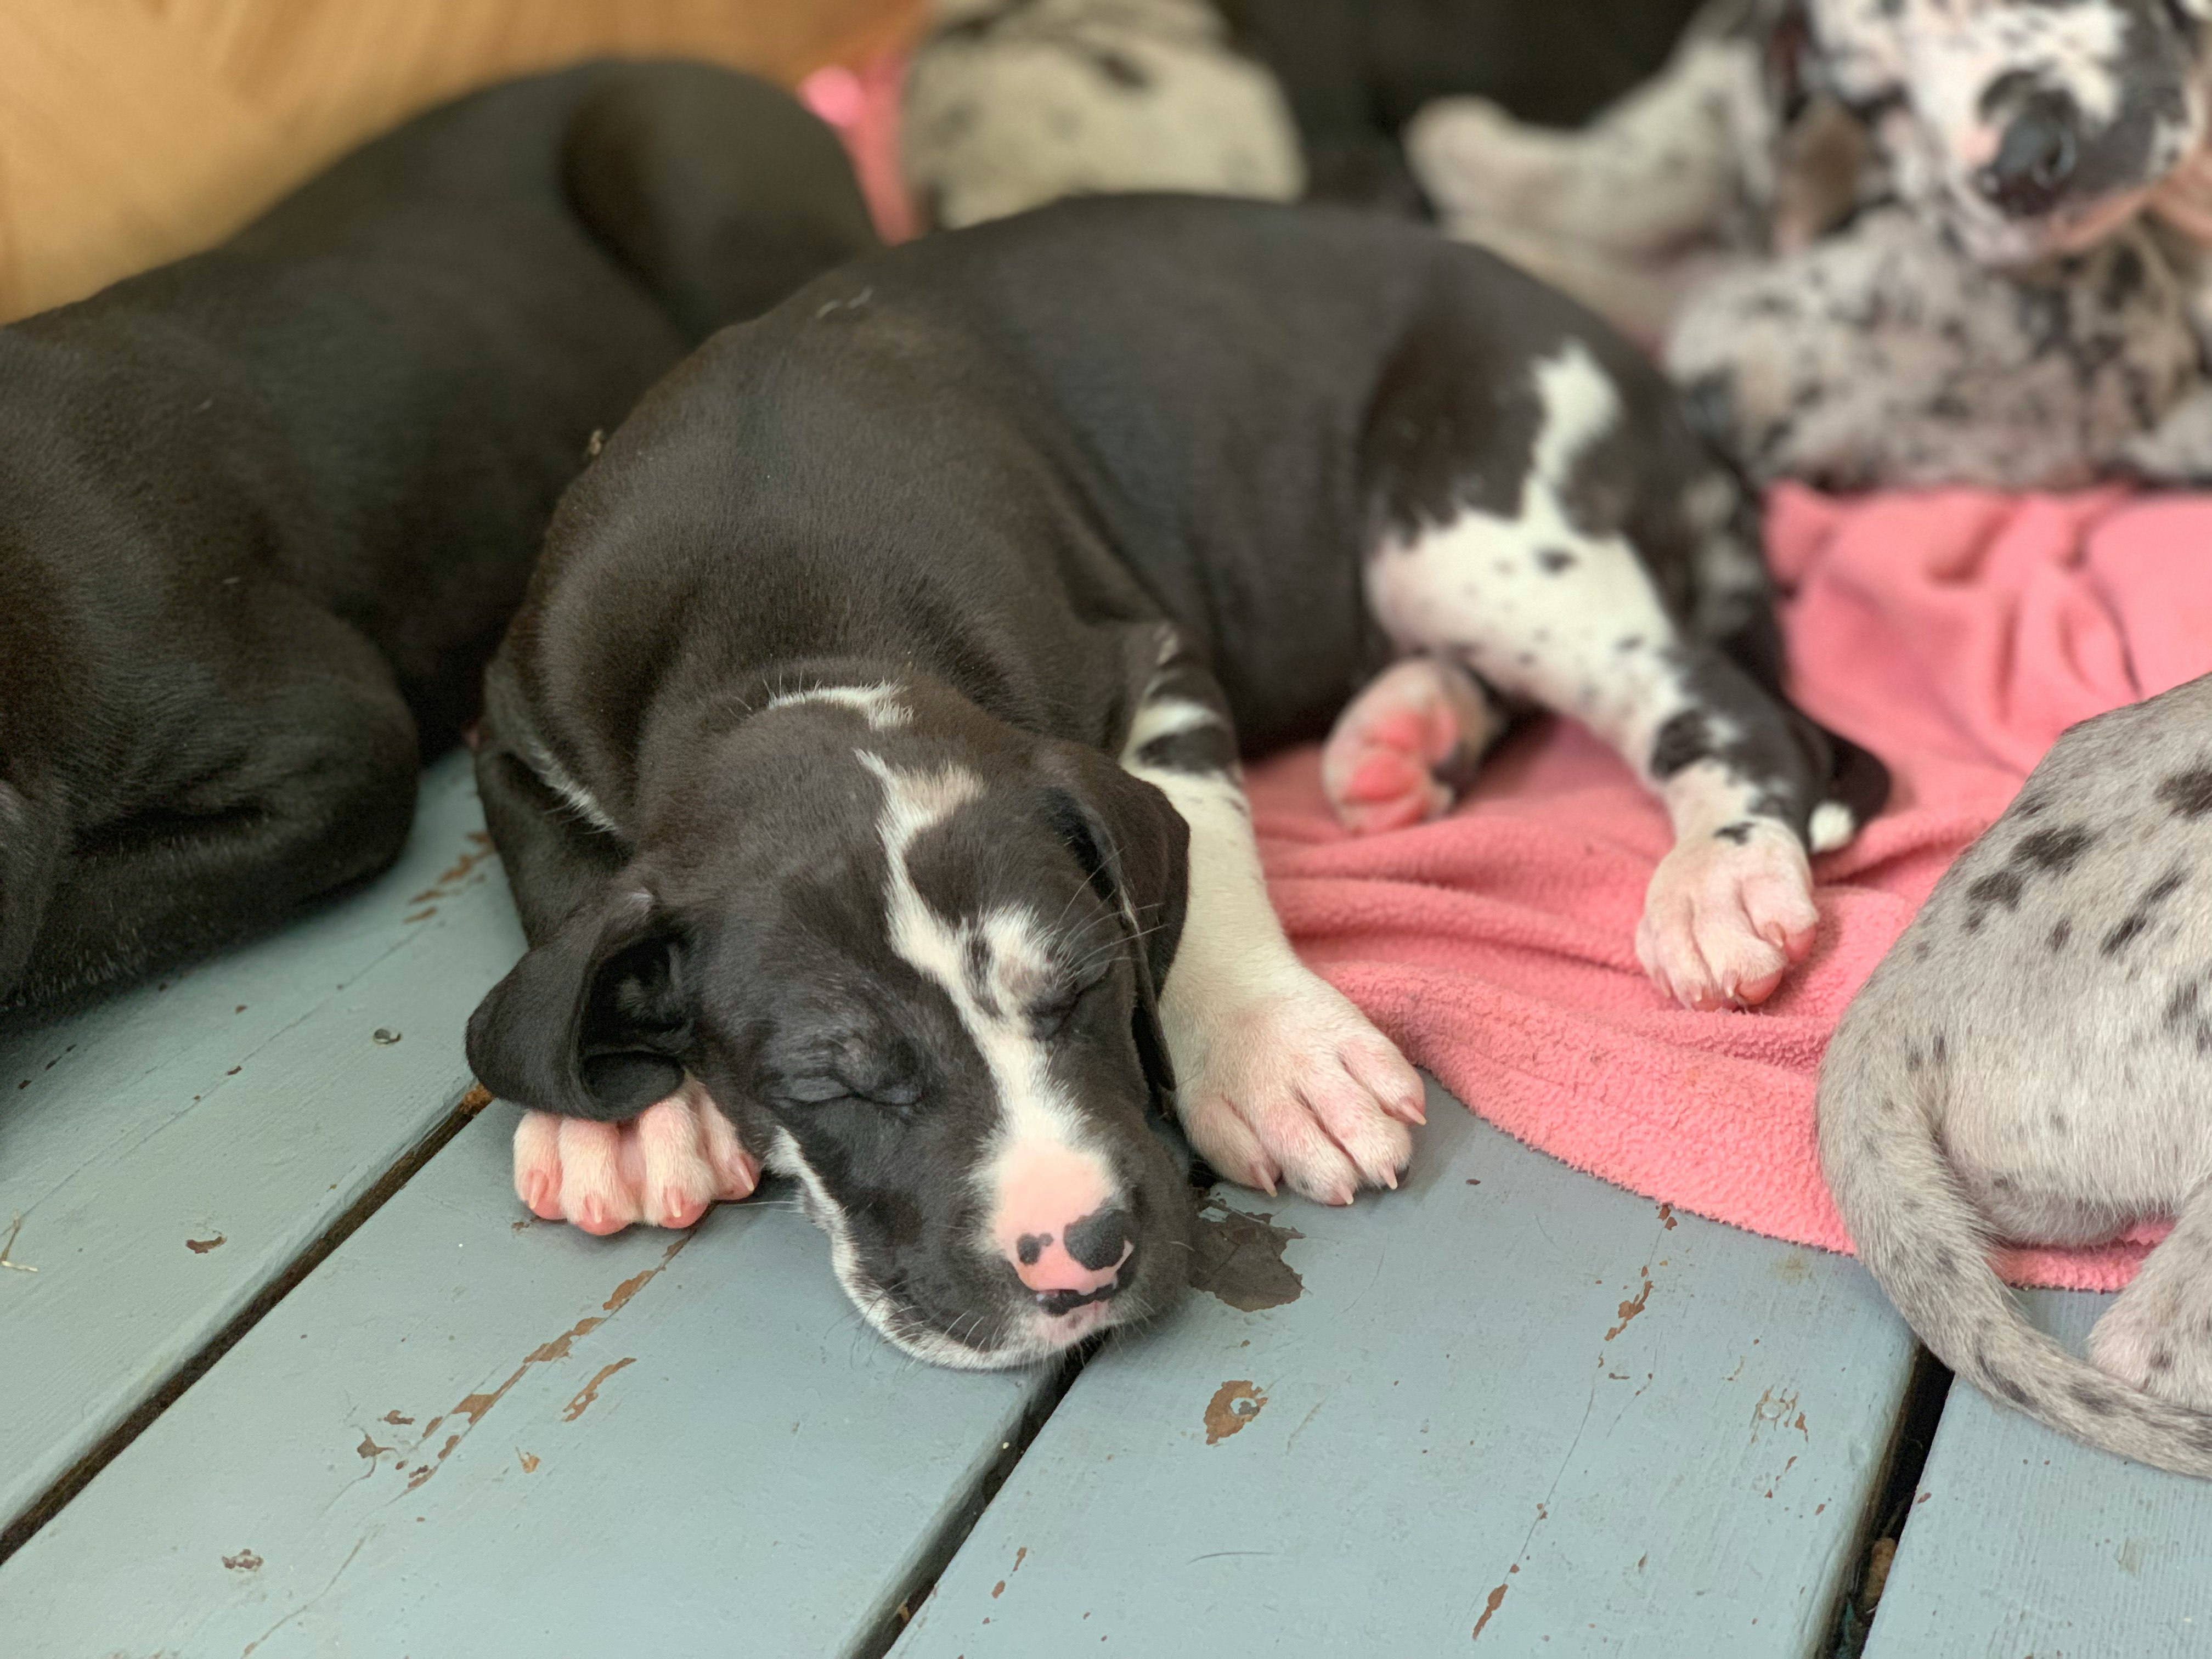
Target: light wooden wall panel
132 131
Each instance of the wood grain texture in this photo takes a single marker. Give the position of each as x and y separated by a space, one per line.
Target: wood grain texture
469 1434
134 131
1519 1418
2022 1545
172 1150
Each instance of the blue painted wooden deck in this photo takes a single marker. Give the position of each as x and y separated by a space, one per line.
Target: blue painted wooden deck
293 1375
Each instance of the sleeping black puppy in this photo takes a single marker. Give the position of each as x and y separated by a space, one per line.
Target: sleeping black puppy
269 508
865 755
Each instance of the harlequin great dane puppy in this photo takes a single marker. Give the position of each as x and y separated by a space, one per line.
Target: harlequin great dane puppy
1890 241
865 755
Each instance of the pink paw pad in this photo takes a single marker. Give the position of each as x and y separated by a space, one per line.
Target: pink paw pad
1380 764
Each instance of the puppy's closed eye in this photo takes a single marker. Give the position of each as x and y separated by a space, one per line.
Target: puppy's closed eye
1052 1007
820 1089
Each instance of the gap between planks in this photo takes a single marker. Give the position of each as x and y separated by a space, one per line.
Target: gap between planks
1889 1507
51 1502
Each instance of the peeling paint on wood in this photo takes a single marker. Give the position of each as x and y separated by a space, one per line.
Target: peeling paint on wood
1233 1406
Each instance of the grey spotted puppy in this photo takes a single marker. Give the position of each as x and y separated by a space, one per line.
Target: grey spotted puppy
1891 242
2032 1063
1011 104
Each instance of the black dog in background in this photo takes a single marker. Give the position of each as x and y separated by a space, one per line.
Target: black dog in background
1356 72
269 507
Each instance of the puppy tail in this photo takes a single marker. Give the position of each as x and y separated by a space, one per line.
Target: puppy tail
1926 1245
720 189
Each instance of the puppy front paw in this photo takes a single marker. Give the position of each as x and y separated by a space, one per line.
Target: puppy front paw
665 1168
1728 914
1297 1088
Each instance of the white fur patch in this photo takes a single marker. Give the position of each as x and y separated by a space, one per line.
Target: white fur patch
878 704
557 778
1166 717
1832 826
1009 947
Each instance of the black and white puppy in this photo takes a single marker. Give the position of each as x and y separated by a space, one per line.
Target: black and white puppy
269 507
865 757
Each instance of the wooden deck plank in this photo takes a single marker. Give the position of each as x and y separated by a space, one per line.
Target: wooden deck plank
1519 1416
172 1150
467 1434
2021 1542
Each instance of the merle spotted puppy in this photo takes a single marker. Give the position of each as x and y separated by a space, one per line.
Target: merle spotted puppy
1891 242
865 758
2032 1064
1010 104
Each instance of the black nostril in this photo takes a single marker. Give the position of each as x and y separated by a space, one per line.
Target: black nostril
1100 1238
2036 159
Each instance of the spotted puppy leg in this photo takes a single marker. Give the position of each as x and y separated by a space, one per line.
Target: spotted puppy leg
1544 601
1661 168
1279 1078
665 1168
1407 746
2158 1336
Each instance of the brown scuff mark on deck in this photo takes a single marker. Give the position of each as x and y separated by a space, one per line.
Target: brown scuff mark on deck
476 1407
201 1246
1778 1409
424 915
1629 1310
393 1418
590 1391
447 879
1238 1259
368 1448
245 1561
1223 1418
1489 1611
475 1099
529 1461
1667 1216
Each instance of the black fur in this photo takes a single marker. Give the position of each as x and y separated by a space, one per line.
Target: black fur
269 507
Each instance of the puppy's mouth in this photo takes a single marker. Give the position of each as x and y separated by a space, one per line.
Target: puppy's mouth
1023 1335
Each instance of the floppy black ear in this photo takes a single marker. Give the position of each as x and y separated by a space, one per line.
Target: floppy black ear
1135 847
593 1022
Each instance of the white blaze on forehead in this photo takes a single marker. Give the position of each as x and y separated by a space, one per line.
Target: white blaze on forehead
1039 1168
878 704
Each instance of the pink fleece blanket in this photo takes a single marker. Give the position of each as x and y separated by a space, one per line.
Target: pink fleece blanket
1956 634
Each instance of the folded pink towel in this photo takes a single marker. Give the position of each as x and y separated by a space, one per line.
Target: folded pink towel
1956 634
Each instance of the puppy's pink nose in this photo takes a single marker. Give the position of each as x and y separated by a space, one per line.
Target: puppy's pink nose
1081 1262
